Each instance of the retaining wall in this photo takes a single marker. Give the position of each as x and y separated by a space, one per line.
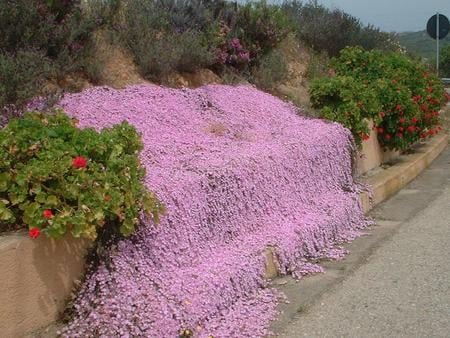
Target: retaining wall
36 278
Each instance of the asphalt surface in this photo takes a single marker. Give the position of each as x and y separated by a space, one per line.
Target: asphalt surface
397 286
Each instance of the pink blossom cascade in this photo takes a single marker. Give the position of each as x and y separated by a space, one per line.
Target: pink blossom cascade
238 171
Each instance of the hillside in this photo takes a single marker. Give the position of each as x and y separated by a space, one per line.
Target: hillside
421 44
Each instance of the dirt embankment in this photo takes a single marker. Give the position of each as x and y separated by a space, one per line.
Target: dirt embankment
114 67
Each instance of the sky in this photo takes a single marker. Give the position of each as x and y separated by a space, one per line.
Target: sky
392 15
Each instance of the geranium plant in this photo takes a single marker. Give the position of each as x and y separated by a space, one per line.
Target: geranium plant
56 178
405 98
349 102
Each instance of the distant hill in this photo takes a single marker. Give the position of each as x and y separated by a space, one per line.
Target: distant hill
421 44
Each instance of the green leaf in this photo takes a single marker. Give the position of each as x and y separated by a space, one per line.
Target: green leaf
5 180
40 198
5 213
52 200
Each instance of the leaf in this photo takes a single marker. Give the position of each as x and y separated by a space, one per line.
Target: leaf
52 200
31 212
99 215
5 213
40 198
5 180
127 227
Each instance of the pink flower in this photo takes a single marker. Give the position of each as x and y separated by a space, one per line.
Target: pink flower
235 43
245 57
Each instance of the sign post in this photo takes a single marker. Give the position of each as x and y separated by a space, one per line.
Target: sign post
437 44
438 27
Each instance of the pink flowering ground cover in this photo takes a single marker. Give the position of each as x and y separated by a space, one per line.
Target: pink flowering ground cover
238 170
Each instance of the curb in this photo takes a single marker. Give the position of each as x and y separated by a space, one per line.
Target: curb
389 181
385 183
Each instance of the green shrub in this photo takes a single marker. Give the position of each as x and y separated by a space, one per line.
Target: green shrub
157 47
271 69
260 27
331 30
193 51
54 32
170 35
349 102
56 178
21 76
406 97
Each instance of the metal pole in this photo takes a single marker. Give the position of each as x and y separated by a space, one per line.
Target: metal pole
437 44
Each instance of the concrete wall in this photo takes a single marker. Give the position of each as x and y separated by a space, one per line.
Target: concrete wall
372 155
36 277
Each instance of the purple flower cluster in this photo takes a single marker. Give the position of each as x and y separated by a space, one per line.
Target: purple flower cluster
238 170
234 54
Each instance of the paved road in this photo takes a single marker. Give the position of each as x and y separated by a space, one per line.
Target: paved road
403 288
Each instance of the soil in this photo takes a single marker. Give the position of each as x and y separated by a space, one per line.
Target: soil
295 86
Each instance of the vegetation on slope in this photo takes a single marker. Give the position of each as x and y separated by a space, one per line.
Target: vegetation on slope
421 44
53 45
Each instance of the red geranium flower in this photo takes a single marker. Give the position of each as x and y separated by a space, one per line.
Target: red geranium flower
365 137
388 136
424 107
417 98
429 89
380 130
414 119
34 233
79 162
423 135
47 213
400 128
411 128
398 107
400 135
382 114
401 120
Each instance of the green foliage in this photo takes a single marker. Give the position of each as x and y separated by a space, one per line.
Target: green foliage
40 176
397 92
349 102
444 63
21 75
39 40
260 27
157 48
271 69
170 35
